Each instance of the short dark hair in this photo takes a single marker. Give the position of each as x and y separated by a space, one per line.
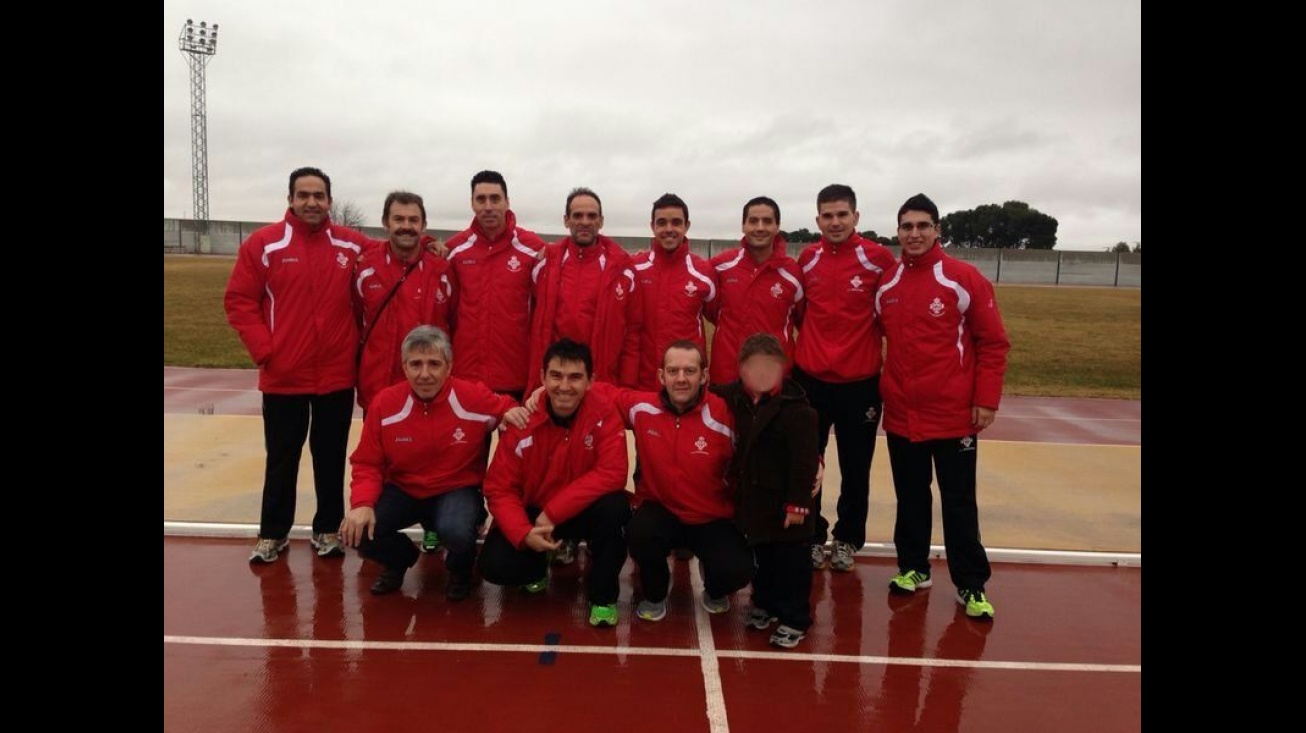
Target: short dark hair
299 173
568 350
582 191
919 202
686 345
401 197
490 177
760 201
763 344
669 201
837 192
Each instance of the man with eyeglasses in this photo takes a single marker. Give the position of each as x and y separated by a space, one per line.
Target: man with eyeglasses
837 361
943 371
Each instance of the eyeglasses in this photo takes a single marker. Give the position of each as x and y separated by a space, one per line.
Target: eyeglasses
920 226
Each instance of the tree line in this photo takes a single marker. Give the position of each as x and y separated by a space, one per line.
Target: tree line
1012 225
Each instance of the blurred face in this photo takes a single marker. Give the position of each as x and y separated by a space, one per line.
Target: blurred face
837 221
309 200
405 225
426 370
760 226
683 376
584 221
566 383
916 232
669 227
761 373
490 206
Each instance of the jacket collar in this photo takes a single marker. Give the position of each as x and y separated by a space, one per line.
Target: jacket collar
931 256
671 408
509 229
301 227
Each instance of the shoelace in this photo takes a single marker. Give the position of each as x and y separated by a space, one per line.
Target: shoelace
973 595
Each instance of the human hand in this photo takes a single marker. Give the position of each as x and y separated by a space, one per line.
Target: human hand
356 522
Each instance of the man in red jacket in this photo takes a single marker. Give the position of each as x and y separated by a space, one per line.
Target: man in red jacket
585 291
289 300
943 370
759 289
684 436
422 458
563 476
399 285
674 287
492 260
837 361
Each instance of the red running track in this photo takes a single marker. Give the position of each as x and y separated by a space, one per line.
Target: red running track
1029 419
302 645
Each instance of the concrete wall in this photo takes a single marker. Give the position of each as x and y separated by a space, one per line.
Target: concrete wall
1032 267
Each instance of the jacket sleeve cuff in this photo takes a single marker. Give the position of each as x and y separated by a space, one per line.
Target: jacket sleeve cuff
797 509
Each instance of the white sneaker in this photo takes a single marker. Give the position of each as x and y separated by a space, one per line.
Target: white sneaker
841 557
327 544
268 550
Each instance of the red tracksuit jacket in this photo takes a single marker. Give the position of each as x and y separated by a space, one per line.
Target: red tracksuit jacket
289 300
426 448
492 331
752 298
673 289
947 348
838 338
561 470
587 294
426 298
683 458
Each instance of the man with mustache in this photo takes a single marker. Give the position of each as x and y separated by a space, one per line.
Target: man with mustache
399 285
289 300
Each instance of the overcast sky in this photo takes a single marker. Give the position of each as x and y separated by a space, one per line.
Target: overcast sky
716 100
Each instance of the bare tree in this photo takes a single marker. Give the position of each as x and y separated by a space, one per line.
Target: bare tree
347 213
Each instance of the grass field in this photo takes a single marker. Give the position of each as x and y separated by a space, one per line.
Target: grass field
1066 342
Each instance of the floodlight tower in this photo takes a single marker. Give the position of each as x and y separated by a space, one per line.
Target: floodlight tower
199 43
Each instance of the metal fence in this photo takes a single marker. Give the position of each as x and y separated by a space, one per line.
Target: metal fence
1019 267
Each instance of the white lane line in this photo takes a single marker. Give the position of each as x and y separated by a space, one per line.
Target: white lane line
928 662
1071 418
716 698
446 646
205 389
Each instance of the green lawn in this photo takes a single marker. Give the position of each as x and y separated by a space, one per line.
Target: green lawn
1066 342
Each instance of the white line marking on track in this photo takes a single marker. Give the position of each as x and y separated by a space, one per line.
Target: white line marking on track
445 646
206 389
716 699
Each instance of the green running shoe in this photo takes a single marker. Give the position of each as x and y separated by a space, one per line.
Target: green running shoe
603 615
977 606
430 542
910 582
538 586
